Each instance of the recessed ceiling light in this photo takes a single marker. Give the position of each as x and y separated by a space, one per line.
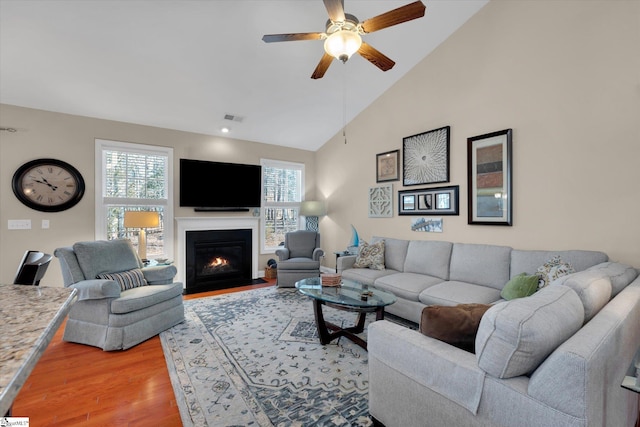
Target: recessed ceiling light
225 130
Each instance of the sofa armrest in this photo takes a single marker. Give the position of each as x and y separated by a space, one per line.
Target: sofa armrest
443 368
317 254
96 289
283 254
345 262
160 274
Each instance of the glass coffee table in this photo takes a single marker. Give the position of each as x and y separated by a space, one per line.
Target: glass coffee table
349 296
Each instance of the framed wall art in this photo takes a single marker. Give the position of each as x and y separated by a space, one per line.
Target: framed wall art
489 164
425 157
381 201
388 166
431 225
429 201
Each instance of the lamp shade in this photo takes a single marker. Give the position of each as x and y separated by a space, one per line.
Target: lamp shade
139 219
312 208
342 44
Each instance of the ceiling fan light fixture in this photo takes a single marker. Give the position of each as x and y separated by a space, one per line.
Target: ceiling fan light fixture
342 44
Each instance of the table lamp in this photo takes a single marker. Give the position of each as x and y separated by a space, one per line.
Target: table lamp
312 209
141 220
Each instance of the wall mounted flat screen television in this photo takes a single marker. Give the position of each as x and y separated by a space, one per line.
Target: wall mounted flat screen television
206 185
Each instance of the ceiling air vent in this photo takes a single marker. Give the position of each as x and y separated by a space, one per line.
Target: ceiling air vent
233 118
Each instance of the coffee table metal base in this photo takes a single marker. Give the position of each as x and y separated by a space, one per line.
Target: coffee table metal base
323 326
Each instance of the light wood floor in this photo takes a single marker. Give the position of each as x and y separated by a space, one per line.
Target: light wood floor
74 384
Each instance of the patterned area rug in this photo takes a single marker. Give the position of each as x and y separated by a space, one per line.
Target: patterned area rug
254 359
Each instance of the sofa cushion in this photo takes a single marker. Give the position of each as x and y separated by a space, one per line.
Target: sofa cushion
370 256
395 252
619 274
553 269
526 261
126 279
105 256
428 257
593 288
486 265
456 325
453 293
146 296
520 286
515 336
298 264
366 276
406 285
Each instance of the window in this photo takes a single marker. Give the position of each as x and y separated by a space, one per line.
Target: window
282 186
134 177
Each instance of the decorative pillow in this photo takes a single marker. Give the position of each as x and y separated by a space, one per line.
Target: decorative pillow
370 256
456 325
552 269
520 286
516 336
126 279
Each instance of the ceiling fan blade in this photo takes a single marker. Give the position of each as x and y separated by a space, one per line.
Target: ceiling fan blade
335 8
376 57
270 38
322 67
393 17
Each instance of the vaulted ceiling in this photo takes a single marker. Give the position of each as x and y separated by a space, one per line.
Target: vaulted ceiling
186 64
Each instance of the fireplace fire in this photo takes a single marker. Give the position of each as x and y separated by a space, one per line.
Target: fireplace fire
217 265
217 259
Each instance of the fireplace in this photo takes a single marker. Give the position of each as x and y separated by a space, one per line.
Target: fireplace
203 272
217 259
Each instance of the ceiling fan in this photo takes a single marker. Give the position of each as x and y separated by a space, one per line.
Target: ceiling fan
342 37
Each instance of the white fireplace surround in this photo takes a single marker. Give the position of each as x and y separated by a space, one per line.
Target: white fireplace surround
216 223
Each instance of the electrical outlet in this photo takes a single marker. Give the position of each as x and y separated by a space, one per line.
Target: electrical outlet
45 223
19 224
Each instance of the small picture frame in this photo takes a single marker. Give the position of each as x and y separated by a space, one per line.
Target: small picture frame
388 166
407 202
489 174
443 201
429 201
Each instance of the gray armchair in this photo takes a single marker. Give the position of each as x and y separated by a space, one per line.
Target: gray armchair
120 302
300 257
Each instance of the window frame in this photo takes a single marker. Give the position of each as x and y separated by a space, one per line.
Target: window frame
101 202
282 164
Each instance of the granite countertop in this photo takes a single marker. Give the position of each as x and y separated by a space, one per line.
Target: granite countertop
29 318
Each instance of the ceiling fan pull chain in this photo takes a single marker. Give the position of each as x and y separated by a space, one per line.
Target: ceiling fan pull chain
344 104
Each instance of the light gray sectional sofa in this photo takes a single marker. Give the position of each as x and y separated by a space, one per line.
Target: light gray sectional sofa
555 358
421 273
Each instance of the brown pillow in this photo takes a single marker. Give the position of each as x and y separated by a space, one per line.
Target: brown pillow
456 325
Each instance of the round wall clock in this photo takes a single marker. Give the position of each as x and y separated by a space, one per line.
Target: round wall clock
48 185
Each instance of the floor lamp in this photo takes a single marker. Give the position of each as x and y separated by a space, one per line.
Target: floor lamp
141 220
311 210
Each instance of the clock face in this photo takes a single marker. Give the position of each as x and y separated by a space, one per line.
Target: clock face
48 185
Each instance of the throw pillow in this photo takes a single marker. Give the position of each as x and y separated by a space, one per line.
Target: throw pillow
552 269
520 286
126 279
370 256
456 325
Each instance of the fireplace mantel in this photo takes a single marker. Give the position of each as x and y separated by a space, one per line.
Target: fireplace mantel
185 224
